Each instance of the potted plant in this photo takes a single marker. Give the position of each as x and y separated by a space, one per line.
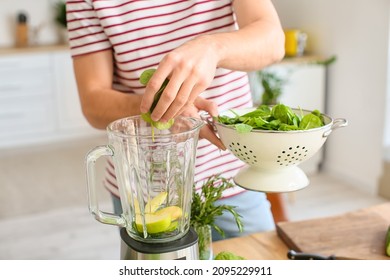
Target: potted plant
272 87
273 83
60 19
204 212
61 14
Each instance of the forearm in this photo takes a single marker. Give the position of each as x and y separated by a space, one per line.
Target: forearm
259 41
99 102
251 48
102 106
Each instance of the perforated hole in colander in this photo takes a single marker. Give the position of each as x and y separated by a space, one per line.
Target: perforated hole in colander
243 153
292 155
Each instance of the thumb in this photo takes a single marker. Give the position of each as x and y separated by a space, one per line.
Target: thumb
207 132
206 105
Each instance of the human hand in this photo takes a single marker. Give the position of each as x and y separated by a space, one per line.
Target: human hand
190 69
206 132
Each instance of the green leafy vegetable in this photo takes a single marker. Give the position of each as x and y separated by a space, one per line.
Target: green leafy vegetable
283 113
310 121
144 79
279 117
242 127
225 255
146 75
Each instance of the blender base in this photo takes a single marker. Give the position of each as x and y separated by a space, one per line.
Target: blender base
185 248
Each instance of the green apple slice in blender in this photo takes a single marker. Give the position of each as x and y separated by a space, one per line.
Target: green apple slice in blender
172 226
155 202
135 203
154 223
136 206
174 211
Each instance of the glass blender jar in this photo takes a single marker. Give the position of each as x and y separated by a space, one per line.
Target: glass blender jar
155 173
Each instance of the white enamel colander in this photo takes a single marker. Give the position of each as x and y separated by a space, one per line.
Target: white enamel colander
272 157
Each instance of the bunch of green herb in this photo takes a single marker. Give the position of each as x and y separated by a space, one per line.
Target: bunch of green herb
279 117
144 79
204 211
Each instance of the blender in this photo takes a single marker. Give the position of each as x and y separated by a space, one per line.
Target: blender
155 173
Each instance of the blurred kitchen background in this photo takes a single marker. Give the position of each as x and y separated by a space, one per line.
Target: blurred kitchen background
44 137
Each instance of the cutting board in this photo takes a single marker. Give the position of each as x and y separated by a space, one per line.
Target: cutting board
354 235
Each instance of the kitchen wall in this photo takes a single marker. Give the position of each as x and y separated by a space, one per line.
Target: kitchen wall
357 32
40 15
387 116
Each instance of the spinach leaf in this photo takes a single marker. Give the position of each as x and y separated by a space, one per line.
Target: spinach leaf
310 121
243 128
279 117
146 75
144 79
283 113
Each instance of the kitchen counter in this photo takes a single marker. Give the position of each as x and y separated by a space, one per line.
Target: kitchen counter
258 246
270 246
307 58
33 49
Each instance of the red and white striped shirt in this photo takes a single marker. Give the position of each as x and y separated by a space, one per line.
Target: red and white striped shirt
140 33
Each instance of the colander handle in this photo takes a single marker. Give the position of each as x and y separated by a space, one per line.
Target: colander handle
205 116
337 123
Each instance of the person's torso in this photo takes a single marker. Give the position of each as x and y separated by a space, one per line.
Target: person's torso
140 33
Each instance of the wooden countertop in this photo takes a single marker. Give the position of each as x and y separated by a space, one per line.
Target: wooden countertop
258 246
269 246
33 49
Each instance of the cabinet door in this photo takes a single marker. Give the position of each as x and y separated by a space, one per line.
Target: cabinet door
70 116
27 108
24 76
26 120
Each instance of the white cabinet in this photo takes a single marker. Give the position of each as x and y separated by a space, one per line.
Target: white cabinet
38 99
69 113
27 104
305 88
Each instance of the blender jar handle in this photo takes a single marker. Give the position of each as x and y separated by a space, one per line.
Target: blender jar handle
103 217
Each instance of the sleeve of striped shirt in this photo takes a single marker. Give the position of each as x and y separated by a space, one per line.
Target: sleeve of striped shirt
86 34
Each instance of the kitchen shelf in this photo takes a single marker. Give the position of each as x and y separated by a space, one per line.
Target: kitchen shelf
307 58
